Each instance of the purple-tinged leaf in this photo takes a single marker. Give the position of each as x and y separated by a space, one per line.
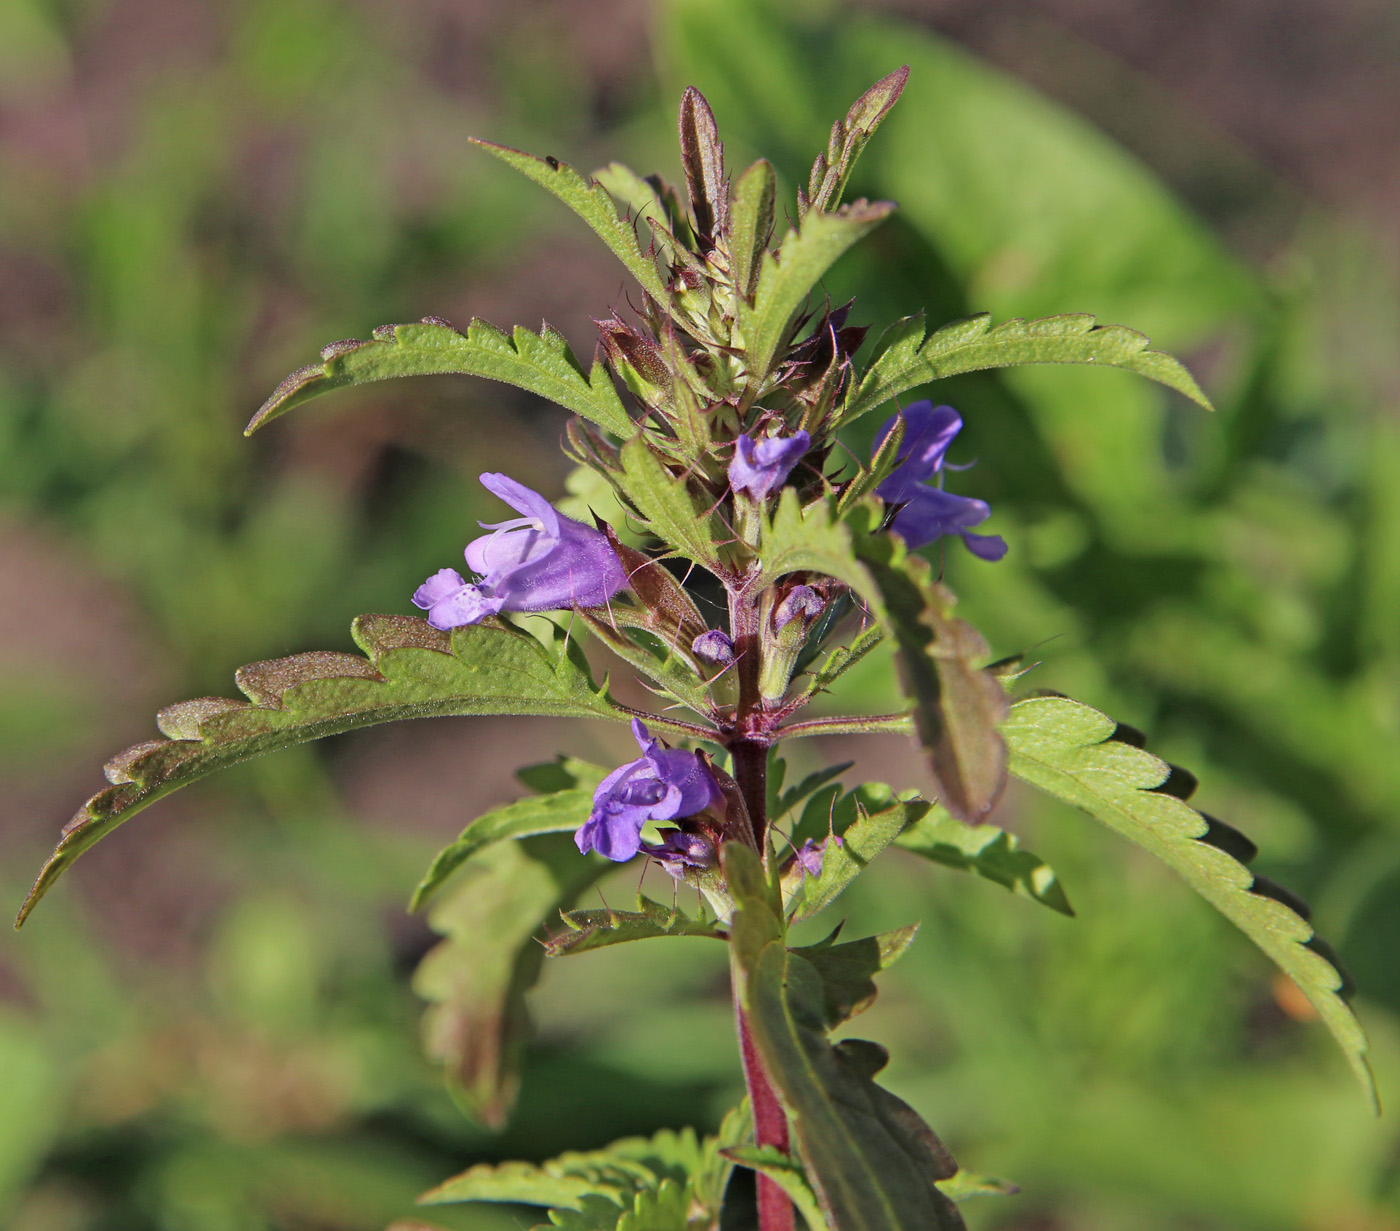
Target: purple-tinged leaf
702 155
832 170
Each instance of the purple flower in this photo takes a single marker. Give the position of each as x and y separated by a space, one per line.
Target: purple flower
928 512
758 467
811 855
663 784
541 561
801 601
713 647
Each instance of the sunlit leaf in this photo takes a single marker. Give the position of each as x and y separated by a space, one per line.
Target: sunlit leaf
411 671
589 201
813 539
987 851
974 344
832 170
1083 757
671 507
541 363
596 929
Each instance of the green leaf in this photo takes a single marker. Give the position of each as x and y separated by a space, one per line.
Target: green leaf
809 785
411 671
1081 756
973 344
751 224
676 513
872 1162
588 199
848 969
596 929
861 841
787 1173
540 363
561 812
477 978
965 1184
842 659
832 170
987 851
814 539
957 704
786 279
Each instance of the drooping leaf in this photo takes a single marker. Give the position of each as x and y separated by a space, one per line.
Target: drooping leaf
1081 756
813 539
476 979
669 505
588 199
411 671
987 851
596 929
957 704
874 828
832 170
540 363
872 1162
561 812
974 344
848 969
786 279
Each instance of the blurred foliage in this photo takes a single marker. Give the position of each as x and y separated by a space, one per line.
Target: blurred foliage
176 238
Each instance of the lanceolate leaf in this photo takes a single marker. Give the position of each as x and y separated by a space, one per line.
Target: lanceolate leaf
786 279
848 137
974 344
411 671
671 508
588 199
989 852
957 703
541 363
596 929
476 979
1082 757
561 812
751 224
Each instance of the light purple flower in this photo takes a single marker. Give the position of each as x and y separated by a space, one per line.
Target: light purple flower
801 601
713 647
928 512
759 467
540 561
810 856
663 784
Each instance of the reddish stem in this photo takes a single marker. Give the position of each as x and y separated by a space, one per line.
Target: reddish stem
775 1212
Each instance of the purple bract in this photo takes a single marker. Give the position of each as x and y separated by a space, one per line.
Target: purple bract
540 561
663 784
928 512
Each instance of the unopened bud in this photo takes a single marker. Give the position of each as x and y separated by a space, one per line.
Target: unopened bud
713 647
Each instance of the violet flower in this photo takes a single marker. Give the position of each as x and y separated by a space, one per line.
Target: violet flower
801 602
663 784
759 467
540 561
713 647
928 513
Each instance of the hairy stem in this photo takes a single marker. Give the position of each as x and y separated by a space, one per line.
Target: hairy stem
775 1210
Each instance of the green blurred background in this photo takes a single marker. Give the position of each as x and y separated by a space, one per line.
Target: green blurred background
210 1026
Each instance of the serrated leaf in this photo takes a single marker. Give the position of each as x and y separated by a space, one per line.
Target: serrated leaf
872 831
476 979
815 540
1069 750
842 659
848 969
561 812
974 344
957 704
809 785
411 671
871 1161
588 199
540 363
596 929
673 510
987 851
751 224
786 279
832 170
